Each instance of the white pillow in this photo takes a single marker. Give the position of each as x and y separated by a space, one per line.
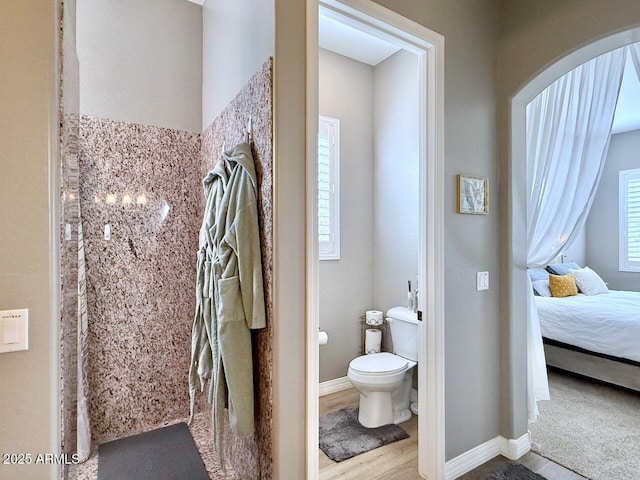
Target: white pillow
589 282
542 288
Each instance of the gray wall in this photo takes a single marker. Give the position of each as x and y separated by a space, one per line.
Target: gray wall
141 61
603 231
238 39
577 252
395 187
292 144
28 144
377 108
533 35
471 241
346 285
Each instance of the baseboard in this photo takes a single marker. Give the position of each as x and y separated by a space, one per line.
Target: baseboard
343 383
513 449
510 448
471 459
335 385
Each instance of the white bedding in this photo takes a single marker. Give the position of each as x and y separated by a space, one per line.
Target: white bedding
608 323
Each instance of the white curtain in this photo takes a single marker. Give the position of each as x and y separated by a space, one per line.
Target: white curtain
568 129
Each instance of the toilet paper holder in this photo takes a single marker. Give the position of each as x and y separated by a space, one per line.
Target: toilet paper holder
386 345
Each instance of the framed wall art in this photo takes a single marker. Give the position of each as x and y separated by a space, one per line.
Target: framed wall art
473 195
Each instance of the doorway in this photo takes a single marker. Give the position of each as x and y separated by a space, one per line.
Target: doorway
428 47
517 184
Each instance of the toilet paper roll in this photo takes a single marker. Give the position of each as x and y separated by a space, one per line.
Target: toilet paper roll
373 317
372 340
323 338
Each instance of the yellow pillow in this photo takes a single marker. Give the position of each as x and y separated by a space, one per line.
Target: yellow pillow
562 285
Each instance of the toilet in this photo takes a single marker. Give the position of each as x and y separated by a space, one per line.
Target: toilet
384 379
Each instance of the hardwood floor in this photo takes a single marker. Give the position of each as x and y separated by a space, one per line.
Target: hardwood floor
399 460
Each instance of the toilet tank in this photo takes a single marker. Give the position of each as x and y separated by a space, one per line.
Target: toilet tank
403 323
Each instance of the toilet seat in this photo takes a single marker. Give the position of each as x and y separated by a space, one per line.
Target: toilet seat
379 364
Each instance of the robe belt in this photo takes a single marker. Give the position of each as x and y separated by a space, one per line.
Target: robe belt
207 258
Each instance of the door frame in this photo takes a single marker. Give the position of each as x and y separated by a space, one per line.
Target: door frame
428 45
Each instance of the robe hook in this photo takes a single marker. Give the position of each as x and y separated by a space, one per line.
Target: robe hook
249 128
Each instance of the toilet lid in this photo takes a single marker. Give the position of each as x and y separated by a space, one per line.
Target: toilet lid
379 363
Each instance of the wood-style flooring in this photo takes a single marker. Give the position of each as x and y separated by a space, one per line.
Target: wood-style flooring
399 460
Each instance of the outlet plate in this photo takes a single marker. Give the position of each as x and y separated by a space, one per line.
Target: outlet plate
482 281
14 330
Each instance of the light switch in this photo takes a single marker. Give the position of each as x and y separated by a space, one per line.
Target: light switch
482 280
11 331
14 330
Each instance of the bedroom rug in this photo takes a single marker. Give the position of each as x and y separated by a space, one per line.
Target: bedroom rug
590 428
342 436
514 471
167 453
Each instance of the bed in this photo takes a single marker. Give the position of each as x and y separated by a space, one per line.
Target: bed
594 335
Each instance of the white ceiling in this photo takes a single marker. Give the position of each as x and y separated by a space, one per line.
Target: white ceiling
627 115
348 41
353 43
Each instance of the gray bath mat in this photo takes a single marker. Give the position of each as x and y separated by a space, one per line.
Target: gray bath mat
514 471
167 453
343 437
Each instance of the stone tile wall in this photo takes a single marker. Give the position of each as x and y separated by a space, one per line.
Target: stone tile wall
252 457
144 182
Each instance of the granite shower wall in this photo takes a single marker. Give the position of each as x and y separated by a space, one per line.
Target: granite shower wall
69 279
69 215
145 183
251 457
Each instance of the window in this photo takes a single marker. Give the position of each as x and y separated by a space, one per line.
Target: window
630 220
329 188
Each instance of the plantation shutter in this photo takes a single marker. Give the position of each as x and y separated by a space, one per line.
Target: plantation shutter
630 220
328 188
